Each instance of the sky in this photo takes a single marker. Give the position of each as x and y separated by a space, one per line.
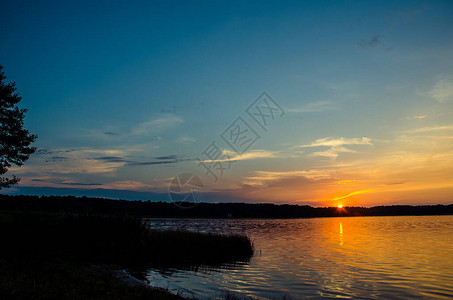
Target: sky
316 103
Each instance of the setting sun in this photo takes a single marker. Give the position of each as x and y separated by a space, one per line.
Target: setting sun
340 206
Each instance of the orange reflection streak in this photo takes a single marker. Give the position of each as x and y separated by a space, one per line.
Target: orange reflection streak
371 242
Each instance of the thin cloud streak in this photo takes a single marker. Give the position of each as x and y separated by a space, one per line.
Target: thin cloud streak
318 106
352 194
430 129
336 146
331 142
417 117
230 156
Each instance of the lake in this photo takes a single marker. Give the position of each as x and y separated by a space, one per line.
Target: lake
402 257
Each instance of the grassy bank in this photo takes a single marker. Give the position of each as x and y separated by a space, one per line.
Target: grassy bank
51 253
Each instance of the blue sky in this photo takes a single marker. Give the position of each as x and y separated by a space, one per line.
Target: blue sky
124 96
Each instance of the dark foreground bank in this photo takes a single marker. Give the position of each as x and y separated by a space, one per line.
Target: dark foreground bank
25 278
60 255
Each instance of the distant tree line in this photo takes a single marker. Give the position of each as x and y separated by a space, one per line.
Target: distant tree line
86 205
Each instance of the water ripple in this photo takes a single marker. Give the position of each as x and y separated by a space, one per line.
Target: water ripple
361 257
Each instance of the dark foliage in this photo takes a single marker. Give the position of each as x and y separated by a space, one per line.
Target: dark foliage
14 139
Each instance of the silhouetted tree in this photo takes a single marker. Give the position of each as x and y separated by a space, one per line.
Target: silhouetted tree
14 139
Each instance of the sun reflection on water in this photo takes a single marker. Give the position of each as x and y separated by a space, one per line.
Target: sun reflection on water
380 258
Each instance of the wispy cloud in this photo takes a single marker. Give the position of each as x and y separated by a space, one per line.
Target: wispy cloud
431 129
186 139
283 186
64 182
158 160
111 158
443 90
417 117
254 154
264 178
336 146
332 152
352 194
406 15
111 133
318 106
158 124
374 41
168 157
148 163
336 142
65 161
153 127
128 185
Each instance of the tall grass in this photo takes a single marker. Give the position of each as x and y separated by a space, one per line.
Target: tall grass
115 239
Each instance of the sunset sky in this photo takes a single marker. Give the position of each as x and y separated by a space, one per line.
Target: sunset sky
125 96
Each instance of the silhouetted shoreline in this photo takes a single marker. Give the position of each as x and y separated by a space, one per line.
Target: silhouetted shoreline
70 204
59 247
75 255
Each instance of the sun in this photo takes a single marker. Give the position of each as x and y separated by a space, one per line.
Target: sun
340 206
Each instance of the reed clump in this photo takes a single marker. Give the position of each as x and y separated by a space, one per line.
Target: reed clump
115 239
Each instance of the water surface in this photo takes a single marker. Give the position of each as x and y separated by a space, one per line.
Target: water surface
358 257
